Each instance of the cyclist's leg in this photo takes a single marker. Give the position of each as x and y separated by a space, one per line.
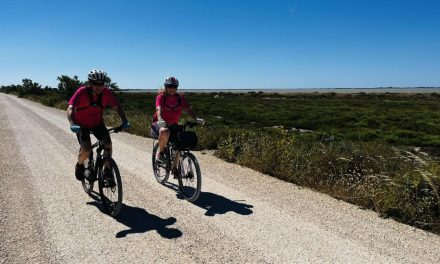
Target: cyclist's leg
84 151
101 133
85 145
173 137
164 135
154 130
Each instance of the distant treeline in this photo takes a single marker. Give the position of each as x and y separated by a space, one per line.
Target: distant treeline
49 95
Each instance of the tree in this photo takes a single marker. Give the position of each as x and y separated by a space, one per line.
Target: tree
29 87
113 86
11 88
67 86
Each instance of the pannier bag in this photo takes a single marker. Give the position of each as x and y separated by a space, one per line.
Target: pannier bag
187 140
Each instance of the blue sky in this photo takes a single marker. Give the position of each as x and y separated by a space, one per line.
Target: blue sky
224 44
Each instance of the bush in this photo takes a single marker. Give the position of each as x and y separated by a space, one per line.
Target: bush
51 99
393 181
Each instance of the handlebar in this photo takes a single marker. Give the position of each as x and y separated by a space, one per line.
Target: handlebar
115 129
190 124
118 129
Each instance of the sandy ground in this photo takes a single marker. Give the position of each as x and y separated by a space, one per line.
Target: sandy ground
242 216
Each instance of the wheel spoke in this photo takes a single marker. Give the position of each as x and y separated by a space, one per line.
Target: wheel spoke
190 177
110 188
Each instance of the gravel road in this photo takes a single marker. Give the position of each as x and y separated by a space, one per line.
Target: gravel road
242 216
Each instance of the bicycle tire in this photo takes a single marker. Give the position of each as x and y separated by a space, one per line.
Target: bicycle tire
161 173
89 176
111 197
190 177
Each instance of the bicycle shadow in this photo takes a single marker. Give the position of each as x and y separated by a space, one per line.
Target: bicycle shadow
138 220
215 204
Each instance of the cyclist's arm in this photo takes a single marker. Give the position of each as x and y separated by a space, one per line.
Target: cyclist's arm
112 101
121 113
187 108
71 114
190 112
159 112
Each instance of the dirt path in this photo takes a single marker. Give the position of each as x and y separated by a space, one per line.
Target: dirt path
242 216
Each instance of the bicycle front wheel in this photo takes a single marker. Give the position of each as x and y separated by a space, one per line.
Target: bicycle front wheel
190 177
110 187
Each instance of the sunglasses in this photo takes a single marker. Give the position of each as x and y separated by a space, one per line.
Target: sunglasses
171 86
98 83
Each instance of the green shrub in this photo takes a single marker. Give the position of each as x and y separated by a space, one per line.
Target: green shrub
51 99
393 181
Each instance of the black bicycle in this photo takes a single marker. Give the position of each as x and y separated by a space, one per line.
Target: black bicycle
104 169
179 161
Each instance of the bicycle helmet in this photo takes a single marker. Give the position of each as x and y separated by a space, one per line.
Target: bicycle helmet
171 82
97 75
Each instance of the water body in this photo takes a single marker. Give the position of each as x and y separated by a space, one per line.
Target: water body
306 90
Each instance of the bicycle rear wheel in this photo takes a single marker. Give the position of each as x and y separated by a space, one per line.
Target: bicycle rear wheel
110 187
161 171
190 177
89 174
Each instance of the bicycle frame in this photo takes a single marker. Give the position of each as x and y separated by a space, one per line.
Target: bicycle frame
99 145
110 186
171 148
100 156
180 162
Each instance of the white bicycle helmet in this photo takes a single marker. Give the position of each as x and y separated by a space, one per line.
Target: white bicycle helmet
171 81
97 75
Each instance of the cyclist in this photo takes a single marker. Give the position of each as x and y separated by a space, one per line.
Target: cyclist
169 105
85 116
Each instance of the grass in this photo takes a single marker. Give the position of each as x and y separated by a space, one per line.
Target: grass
361 149
396 182
398 119
379 151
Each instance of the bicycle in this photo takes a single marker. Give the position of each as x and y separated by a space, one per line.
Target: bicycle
104 170
180 161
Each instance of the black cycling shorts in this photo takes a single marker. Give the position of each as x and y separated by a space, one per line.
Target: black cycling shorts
174 129
155 130
100 132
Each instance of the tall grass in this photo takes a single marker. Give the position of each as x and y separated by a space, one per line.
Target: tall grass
395 182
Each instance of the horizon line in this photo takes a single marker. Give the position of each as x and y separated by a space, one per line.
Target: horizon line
381 87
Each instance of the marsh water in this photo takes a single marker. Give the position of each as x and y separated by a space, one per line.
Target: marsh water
307 90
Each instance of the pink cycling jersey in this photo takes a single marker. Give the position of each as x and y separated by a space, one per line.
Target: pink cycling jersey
171 110
88 116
